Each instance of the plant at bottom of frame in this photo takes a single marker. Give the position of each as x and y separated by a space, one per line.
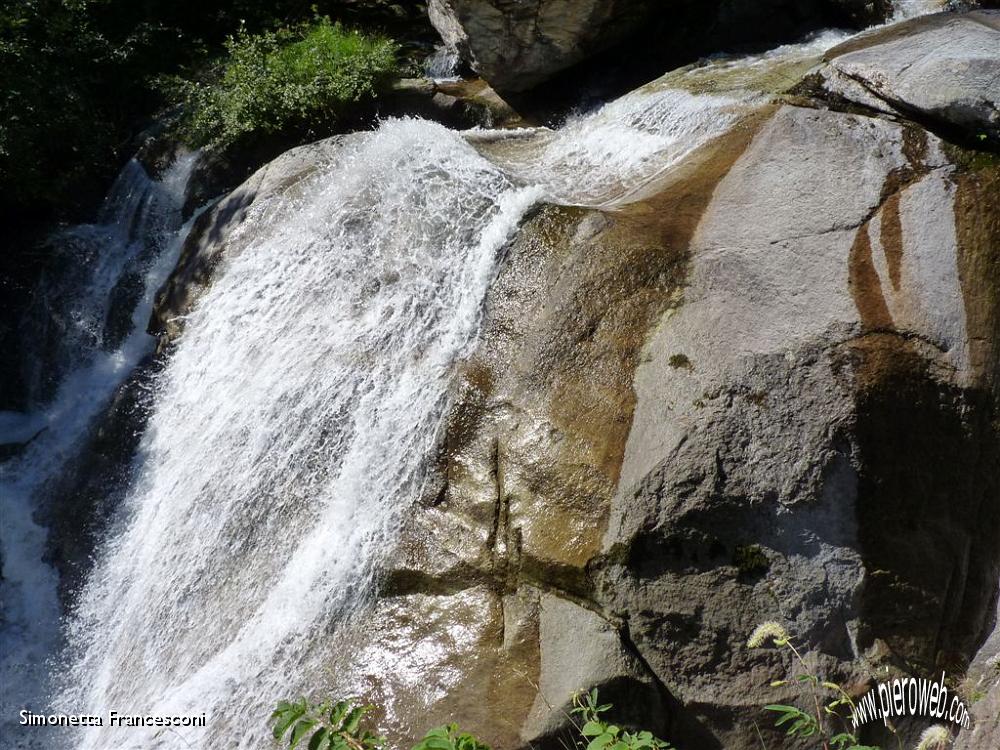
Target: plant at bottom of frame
598 734
449 737
328 727
815 724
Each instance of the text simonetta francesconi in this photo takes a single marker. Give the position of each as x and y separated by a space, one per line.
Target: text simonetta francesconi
111 719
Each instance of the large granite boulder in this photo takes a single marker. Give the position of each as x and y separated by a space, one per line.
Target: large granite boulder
942 70
515 45
814 439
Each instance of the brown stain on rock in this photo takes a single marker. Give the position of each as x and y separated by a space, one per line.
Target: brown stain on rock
863 279
977 224
865 285
891 235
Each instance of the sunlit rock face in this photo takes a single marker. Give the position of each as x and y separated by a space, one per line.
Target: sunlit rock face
940 70
829 413
766 391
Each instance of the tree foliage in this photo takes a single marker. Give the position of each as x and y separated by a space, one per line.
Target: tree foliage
76 80
291 78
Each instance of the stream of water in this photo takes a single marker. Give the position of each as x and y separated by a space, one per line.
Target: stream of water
89 334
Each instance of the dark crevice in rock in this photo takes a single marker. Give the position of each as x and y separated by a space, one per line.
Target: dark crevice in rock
81 506
683 729
811 88
939 125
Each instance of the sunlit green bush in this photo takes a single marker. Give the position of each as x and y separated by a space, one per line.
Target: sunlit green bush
300 78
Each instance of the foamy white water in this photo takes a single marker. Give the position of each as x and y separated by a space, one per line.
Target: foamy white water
138 234
443 64
603 158
904 9
291 428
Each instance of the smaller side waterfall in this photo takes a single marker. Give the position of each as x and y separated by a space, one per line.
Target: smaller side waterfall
904 9
86 333
443 64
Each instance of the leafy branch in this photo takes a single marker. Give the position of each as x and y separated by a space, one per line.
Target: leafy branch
794 721
598 734
329 727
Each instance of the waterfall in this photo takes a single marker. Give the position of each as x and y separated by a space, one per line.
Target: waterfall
292 426
904 9
442 64
293 423
86 333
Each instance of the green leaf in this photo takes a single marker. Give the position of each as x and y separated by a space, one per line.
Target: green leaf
601 741
319 736
592 729
300 731
354 719
337 713
288 717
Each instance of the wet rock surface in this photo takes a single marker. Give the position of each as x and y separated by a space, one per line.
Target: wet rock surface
811 437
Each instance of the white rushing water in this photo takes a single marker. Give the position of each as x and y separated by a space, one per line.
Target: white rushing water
136 238
291 426
293 423
904 9
442 64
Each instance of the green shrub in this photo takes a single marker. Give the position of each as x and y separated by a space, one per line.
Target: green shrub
275 80
449 737
328 727
340 726
599 734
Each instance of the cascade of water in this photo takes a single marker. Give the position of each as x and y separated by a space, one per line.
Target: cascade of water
291 427
904 9
81 366
443 64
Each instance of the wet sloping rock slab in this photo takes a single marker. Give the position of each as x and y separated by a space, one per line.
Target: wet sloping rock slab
944 69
